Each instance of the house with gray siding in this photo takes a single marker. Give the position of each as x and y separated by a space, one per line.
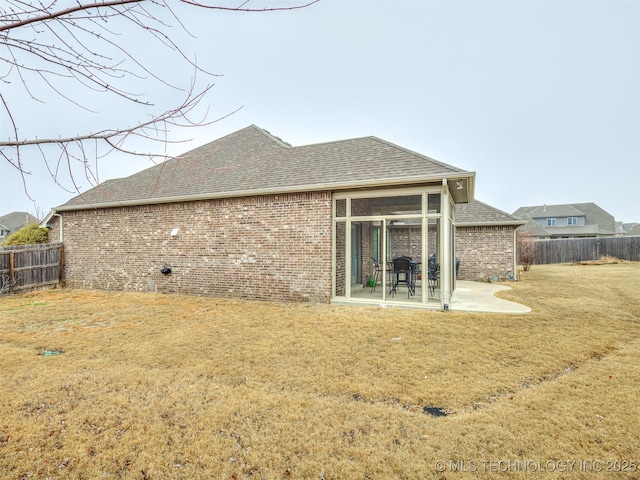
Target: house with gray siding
250 216
567 221
634 230
631 229
14 221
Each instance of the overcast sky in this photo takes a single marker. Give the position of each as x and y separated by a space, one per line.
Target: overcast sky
540 98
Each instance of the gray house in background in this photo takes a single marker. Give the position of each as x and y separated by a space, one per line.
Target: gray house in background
634 230
567 221
623 228
13 222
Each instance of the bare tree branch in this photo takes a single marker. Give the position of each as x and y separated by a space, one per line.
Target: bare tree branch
47 14
54 47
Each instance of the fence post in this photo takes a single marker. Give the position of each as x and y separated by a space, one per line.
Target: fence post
11 265
61 260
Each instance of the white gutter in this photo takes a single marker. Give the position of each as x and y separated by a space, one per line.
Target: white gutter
47 220
269 191
490 224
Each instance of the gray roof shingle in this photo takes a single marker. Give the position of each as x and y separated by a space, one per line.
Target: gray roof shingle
550 211
251 161
15 220
479 213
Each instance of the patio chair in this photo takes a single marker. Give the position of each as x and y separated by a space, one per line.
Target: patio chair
433 276
416 274
402 274
377 271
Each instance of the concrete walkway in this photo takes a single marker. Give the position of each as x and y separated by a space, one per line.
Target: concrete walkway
478 297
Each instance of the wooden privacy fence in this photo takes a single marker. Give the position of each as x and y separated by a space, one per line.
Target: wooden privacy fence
570 250
30 266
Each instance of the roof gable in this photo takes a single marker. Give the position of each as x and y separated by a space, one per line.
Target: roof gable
534 228
599 216
251 161
16 220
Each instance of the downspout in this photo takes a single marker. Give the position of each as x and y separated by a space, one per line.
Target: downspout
445 261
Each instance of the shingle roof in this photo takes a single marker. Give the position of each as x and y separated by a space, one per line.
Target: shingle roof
479 213
546 211
534 228
15 220
596 214
584 230
251 161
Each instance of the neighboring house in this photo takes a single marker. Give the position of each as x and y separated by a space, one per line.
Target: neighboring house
13 222
623 228
634 230
485 241
250 216
567 221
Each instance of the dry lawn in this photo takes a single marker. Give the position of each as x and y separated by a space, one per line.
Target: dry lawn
152 386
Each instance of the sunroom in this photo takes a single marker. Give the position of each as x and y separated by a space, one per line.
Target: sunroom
396 246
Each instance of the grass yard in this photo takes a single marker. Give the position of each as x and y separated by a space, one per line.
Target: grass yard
149 386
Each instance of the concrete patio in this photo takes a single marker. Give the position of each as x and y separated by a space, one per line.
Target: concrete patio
467 297
479 297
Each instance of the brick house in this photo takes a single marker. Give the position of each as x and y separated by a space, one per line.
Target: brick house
485 241
250 216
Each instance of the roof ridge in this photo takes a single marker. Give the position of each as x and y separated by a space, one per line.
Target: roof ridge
329 142
389 144
573 204
269 135
285 144
420 155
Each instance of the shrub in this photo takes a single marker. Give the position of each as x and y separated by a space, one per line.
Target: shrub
28 235
526 248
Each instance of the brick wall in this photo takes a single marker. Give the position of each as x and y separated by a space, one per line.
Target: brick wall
269 247
275 247
485 252
408 242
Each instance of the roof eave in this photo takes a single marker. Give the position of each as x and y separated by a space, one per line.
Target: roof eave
490 224
356 184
